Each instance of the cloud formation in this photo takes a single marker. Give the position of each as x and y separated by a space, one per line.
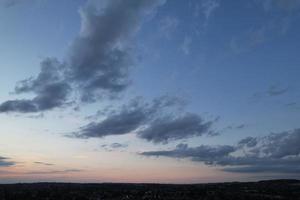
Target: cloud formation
100 56
163 130
203 153
43 163
276 152
168 25
275 90
98 62
50 90
55 171
10 3
209 6
4 162
114 146
157 122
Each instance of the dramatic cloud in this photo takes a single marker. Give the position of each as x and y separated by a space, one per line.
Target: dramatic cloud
98 63
277 152
158 122
4 162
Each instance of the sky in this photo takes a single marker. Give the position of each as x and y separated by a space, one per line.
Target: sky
160 91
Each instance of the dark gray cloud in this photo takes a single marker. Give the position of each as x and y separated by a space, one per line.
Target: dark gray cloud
127 118
276 152
99 57
98 62
163 130
119 122
159 121
4 162
49 87
248 142
203 153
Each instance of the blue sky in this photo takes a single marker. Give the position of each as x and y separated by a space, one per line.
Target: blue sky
193 91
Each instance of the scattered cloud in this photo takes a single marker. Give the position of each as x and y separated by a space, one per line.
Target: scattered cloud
159 121
293 105
275 90
234 127
203 153
49 87
43 163
118 145
114 146
55 171
271 29
4 162
98 62
276 152
249 39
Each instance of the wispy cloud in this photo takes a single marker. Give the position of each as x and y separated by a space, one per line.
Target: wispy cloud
168 26
43 163
272 91
275 90
55 171
187 41
209 6
285 5
114 146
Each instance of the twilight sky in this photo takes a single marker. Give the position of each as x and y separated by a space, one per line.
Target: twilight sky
149 90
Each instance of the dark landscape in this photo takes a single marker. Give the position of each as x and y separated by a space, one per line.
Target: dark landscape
275 189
